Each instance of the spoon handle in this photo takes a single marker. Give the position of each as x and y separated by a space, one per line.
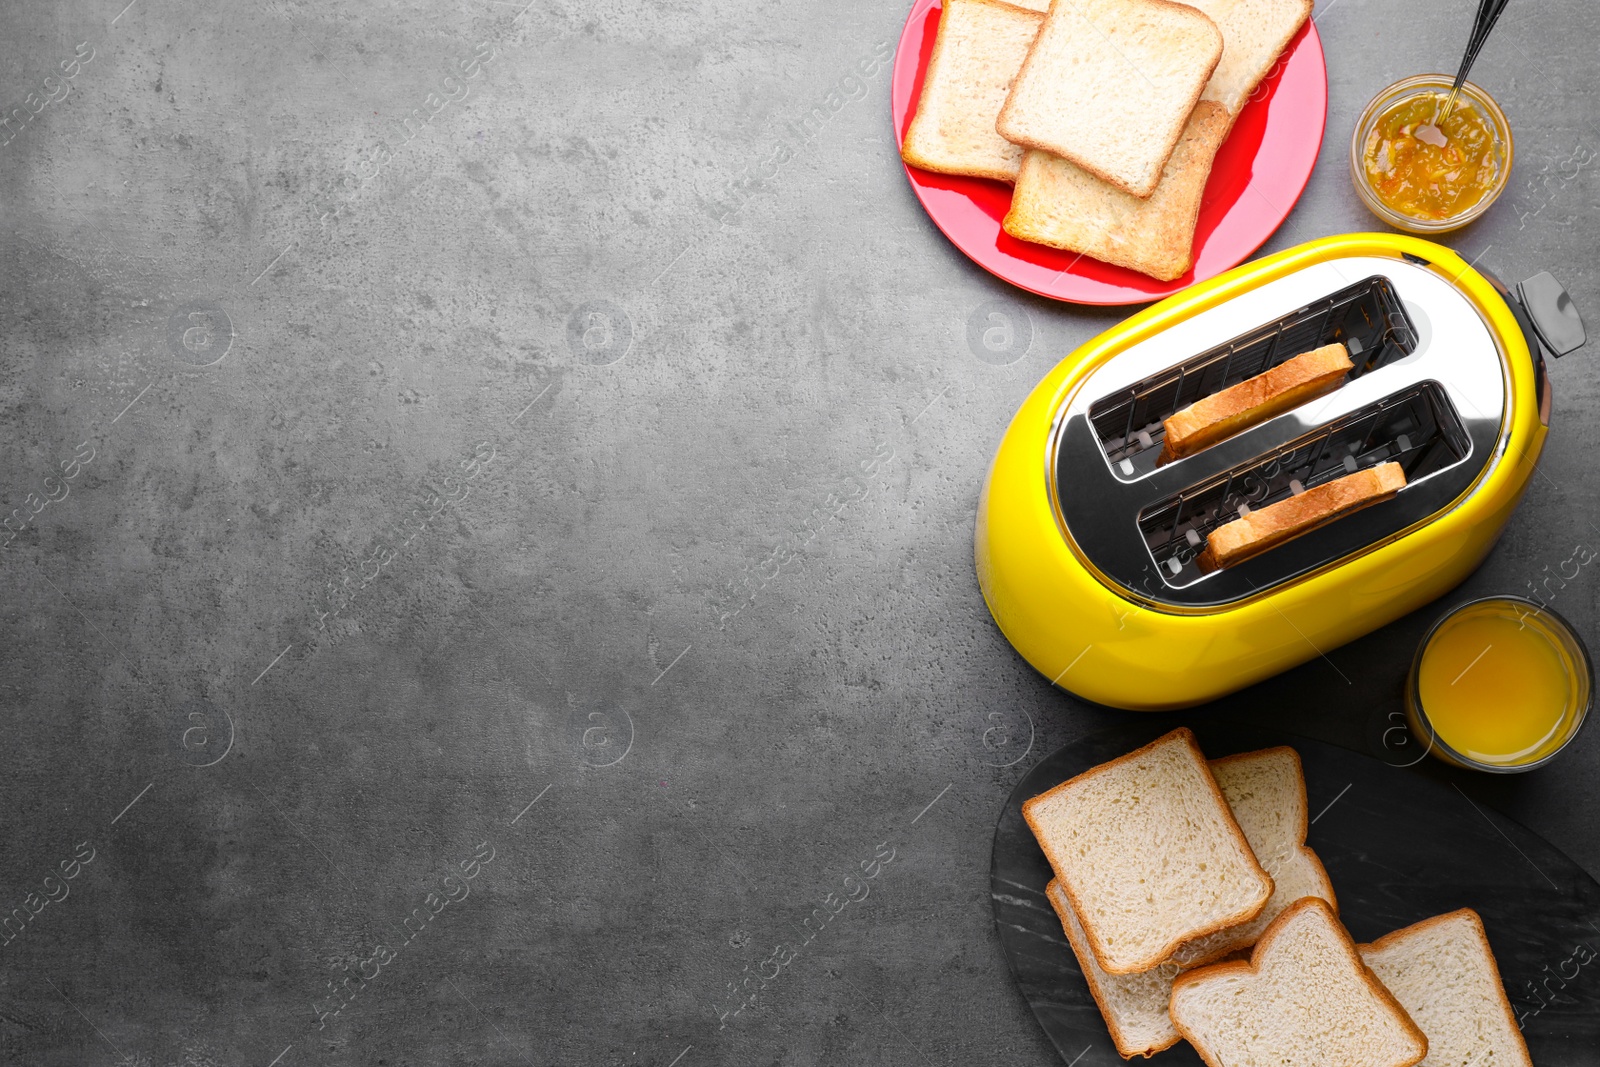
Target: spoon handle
1483 22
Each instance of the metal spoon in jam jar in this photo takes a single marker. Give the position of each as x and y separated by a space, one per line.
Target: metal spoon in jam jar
1482 23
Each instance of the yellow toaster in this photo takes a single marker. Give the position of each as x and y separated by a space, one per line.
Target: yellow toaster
1088 549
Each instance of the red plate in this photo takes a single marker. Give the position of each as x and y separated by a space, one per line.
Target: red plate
1259 173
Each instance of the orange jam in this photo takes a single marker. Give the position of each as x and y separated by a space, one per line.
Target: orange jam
1427 171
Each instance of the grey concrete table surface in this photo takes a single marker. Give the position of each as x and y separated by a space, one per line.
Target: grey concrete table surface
499 552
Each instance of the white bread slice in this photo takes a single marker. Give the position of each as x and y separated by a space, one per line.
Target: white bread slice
1134 1006
1442 971
979 49
1148 853
1303 999
1059 204
1109 85
1254 34
1254 400
1274 524
1065 207
1266 791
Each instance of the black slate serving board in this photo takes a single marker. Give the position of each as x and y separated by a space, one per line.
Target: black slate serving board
1399 848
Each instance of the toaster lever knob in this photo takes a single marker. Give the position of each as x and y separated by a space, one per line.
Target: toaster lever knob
1555 317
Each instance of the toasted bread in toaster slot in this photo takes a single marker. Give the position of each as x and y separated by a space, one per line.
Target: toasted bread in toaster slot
1257 531
1254 400
1235 515
1367 319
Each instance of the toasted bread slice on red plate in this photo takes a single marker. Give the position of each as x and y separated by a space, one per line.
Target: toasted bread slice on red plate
1058 203
1254 35
1062 205
976 56
1110 84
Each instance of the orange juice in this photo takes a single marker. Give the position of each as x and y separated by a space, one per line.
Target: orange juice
1502 683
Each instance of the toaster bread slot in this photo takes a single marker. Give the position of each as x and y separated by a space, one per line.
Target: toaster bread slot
1294 516
1217 417
1367 318
1416 429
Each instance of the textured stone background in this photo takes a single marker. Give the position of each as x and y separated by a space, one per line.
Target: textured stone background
426 485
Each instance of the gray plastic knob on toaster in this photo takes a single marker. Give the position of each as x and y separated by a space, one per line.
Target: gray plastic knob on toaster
1555 317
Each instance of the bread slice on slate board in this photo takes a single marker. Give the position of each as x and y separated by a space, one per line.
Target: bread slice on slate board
1110 84
980 48
1303 999
1258 531
1443 973
1266 792
1059 204
1134 1005
1254 34
1254 400
1148 853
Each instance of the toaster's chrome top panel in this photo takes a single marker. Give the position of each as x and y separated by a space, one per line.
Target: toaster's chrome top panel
1429 391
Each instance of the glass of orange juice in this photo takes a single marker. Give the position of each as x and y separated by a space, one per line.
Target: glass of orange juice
1500 684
